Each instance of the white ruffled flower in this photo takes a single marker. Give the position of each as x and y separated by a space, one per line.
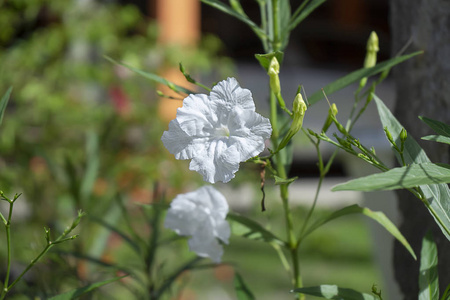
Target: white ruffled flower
201 215
217 131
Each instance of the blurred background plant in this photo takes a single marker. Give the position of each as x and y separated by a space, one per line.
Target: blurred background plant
79 130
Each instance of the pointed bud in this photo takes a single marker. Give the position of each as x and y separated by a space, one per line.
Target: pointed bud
403 135
332 112
371 55
298 109
273 71
389 136
340 127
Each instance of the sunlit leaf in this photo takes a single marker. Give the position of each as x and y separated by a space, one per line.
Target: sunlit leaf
334 292
428 274
377 216
73 294
437 196
357 75
399 178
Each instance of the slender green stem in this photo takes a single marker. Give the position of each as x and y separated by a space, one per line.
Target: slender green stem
276 44
284 193
263 14
311 210
283 259
270 26
33 262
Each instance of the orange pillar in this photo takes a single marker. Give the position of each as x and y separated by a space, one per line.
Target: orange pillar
179 25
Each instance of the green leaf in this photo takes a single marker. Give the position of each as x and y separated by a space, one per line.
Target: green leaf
4 103
153 77
334 292
228 10
399 178
437 196
357 75
280 181
437 138
73 294
264 59
438 127
301 15
428 275
285 16
250 229
442 129
377 216
92 165
446 294
242 291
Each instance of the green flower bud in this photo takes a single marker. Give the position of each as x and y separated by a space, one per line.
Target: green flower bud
344 143
389 136
340 127
332 112
371 55
273 71
403 135
298 109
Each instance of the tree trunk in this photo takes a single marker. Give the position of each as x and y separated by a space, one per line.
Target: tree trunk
423 89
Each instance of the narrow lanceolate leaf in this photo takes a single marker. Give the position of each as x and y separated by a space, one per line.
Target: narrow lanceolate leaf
228 10
438 127
242 291
250 229
357 75
4 102
334 292
437 138
399 178
74 294
285 16
437 196
428 276
305 11
377 216
153 77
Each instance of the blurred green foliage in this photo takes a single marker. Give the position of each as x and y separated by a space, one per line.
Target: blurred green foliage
80 132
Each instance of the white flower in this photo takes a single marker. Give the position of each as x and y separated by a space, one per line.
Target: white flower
201 215
217 131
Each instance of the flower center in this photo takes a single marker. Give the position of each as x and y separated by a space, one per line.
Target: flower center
222 131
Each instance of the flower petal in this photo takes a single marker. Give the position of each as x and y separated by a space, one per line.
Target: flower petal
201 214
218 163
180 144
232 94
206 245
248 132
